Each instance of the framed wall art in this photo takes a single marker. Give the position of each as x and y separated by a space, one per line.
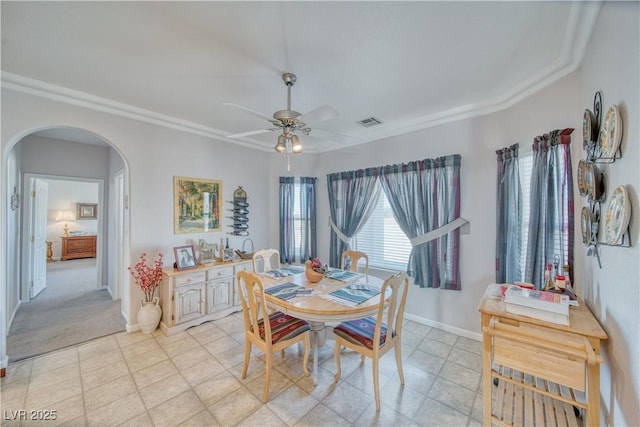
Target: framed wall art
185 257
86 211
197 205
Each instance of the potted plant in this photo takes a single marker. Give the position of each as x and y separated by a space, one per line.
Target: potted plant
148 278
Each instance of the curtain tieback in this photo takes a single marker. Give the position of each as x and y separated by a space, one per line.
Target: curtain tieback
438 232
340 234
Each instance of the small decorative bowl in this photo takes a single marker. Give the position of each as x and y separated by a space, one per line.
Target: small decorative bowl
312 275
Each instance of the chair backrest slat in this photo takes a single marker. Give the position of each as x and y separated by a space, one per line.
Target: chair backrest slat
265 260
399 284
254 304
354 257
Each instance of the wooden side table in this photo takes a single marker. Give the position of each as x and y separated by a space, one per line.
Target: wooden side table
78 247
552 363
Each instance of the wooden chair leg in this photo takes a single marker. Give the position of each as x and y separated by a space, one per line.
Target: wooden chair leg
397 351
267 377
247 356
376 382
336 355
282 353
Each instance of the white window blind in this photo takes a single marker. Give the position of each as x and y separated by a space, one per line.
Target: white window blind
561 243
525 164
382 239
297 220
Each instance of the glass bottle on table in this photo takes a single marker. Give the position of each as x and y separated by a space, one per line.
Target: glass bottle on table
549 284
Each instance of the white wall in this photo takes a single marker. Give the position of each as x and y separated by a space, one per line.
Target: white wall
12 237
612 66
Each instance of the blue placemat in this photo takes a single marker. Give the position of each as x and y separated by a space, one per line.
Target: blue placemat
284 291
342 275
356 293
284 271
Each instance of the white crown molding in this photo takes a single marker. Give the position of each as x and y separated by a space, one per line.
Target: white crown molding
82 99
582 19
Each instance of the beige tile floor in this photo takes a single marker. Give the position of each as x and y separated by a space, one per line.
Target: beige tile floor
193 379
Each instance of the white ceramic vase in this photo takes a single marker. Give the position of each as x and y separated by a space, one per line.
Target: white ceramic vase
149 315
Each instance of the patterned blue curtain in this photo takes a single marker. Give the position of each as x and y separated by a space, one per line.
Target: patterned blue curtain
352 197
425 195
287 239
308 238
551 214
508 217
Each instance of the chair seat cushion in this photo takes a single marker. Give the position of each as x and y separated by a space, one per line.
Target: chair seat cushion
361 332
283 326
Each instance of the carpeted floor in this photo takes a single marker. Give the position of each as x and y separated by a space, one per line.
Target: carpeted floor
69 311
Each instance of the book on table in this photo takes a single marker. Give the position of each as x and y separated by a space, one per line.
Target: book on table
547 301
536 313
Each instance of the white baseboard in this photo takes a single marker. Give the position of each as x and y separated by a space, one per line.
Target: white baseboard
110 293
448 328
133 328
4 362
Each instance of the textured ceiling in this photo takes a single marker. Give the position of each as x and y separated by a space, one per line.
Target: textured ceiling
409 64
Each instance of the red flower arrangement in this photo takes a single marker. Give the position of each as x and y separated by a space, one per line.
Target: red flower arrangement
316 265
147 277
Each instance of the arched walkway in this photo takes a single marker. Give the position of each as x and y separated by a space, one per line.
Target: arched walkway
112 252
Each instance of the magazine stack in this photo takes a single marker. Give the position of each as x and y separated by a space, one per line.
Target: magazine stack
547 306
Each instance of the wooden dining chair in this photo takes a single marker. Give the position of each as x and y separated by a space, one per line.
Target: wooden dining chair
355 257
268 259
374 336
277 333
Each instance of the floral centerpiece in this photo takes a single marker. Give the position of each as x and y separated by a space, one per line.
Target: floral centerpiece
314 270
148 277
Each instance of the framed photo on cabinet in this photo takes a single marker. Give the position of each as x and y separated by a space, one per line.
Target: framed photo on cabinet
185 257
197 205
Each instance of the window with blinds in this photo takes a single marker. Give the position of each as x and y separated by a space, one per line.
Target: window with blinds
561 225
382 239
297 220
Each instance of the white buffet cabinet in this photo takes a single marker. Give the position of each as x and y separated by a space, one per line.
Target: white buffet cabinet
191 297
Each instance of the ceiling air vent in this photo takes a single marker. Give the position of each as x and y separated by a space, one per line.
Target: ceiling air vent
370 121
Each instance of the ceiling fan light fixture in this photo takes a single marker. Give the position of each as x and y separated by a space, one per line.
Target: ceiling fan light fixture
296 145
281 146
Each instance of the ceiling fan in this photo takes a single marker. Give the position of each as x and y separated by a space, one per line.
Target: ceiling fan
288 121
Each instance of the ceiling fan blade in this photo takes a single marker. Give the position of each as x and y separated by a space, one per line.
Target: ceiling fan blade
247 110
319 114
249 133
324 134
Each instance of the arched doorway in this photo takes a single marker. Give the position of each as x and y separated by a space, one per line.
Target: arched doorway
65 153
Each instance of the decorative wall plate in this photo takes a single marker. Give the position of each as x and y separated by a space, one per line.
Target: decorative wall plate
611 133
590 179
585 225
595 182
617 217
582 178
589 128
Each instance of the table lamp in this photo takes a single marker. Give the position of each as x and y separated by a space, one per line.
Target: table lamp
65 216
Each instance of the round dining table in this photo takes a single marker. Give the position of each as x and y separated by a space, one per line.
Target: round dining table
318 308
